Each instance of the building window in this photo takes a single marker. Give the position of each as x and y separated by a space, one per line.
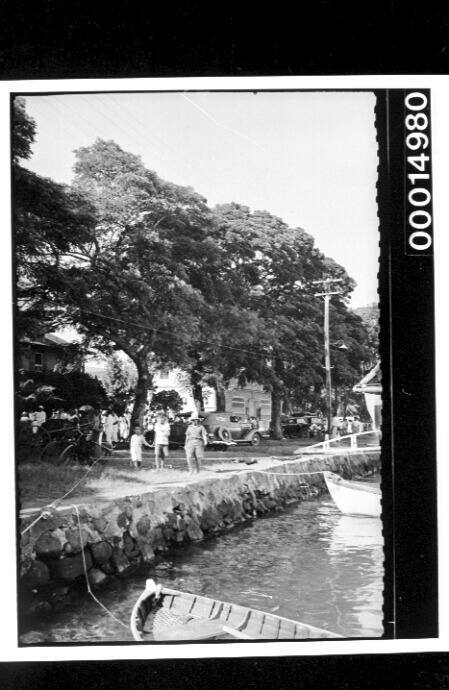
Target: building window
263 409
38 361
238 404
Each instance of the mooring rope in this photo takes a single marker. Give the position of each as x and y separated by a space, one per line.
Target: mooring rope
286 474
86 576
47 508
45 513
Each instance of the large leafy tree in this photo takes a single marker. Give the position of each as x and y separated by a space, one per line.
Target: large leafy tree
273 269
370 316
51 223
141 265
142 285
23 131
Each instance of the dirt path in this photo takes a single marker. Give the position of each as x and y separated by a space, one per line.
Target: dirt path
41 485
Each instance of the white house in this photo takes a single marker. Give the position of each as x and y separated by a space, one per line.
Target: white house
177 380
249 401
371 387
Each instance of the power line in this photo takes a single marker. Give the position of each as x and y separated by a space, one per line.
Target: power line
220 124
196 340
55 106
61 102
165 146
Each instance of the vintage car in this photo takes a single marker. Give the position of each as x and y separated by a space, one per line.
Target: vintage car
228 426
178 434
299 424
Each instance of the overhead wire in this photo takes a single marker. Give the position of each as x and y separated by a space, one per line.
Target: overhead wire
162 142
117 125
128 132
223 126
197 340
58 103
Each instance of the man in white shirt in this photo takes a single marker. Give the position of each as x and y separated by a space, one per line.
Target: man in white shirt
41 415
38 418
161 440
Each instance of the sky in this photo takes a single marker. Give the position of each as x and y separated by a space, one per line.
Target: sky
307 157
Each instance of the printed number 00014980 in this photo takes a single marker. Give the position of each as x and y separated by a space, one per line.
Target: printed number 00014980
419 197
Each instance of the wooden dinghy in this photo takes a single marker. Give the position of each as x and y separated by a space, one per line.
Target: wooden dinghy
162 614
354 498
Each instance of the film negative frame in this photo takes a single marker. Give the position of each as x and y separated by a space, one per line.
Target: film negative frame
406 296
407 350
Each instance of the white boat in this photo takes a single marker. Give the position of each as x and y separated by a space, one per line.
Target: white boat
354 498
163 614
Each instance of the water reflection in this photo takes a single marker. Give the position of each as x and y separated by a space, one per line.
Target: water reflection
352 533
361 536
310 563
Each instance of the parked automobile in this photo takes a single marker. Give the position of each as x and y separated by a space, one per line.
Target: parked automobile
228 426
178 433
299 425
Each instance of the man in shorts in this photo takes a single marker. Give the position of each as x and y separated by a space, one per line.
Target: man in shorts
161 440
196 441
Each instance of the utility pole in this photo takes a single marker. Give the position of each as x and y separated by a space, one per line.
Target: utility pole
326 295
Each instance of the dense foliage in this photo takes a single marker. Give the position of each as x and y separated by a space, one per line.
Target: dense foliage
54 391
143 266
169 401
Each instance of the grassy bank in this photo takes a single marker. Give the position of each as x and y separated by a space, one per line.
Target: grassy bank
41 483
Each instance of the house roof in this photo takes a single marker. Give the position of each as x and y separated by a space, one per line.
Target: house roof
48 340
371 382
56 339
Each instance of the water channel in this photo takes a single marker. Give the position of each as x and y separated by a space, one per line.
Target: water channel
309 563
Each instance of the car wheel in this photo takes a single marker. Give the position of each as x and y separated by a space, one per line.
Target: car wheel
50 452
255 440
223 434
68 456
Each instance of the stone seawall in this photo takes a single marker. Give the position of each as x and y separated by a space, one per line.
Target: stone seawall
117 535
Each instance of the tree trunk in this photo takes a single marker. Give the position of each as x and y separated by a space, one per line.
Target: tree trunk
143 384
197 389
220 391
221 398
276 402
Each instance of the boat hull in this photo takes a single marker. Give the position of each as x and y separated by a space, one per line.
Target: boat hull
166 615
353 498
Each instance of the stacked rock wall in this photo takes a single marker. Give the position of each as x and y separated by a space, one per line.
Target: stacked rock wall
110 538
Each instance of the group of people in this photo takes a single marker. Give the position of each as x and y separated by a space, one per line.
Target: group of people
116 427
341 426
195 442
34 419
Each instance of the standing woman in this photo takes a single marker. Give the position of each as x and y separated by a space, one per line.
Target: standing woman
196 441
123 432
110 427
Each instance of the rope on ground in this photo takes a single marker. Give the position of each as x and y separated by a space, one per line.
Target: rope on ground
288 474
86 576
46 511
